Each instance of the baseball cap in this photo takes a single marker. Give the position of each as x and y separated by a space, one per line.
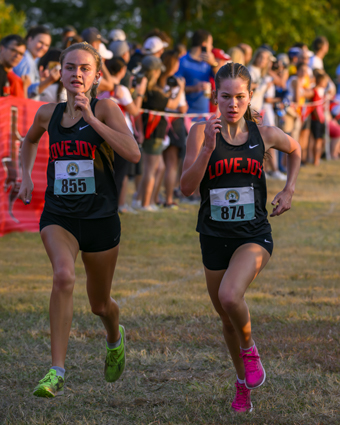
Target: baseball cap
294 51
119 47
92 34
153 45
220 54
283 57
104 53
117 34
152 62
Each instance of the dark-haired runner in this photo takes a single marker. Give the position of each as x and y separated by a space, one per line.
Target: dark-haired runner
80 205
225 157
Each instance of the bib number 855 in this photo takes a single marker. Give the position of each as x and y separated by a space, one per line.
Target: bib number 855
230 213
73 186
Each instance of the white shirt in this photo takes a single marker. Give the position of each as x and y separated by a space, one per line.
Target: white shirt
316 63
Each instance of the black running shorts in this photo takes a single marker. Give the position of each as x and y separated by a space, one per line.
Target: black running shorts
217 252
93 235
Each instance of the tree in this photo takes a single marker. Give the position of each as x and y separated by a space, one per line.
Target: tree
279 23
11 21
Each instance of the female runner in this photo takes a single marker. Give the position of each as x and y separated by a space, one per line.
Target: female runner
225 157
80 210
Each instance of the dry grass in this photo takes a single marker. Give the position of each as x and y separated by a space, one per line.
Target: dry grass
178 371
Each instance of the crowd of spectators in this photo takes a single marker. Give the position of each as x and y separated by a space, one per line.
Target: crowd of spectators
291 90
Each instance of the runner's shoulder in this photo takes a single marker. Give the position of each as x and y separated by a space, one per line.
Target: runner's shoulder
45 112
198 128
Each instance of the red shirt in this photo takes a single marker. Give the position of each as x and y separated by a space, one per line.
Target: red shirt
16 84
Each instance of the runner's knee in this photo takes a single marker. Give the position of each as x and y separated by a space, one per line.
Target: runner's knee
100 308
63 280
229 301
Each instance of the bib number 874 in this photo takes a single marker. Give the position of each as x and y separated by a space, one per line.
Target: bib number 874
73 186
232 212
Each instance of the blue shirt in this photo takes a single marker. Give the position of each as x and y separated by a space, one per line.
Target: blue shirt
337 73
28 66
194 72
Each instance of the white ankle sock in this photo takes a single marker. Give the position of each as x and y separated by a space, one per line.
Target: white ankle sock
247 349
240 381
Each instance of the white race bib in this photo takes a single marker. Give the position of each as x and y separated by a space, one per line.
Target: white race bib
74 177
232 204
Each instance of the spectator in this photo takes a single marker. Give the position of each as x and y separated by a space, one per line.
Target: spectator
68 31
38 41
293 54
258 70
130 108
74 39
117 35
92 36
221 58
12 50
320 48
197 67
175 151
56 92
247 51
120 49
297 92
182 50
152 46
318 116
154 126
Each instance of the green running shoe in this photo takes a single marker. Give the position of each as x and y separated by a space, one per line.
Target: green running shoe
50 386
115 359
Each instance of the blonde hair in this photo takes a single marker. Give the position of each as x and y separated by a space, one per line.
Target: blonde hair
87 48
237 55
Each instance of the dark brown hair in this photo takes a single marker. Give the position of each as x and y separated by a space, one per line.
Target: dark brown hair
87 48
236 70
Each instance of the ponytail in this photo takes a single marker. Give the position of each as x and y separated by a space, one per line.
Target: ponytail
252 115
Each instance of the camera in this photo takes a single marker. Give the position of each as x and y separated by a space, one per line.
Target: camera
137 79
275 66
172 81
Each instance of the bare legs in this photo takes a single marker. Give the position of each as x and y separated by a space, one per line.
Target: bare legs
62 249
171 166
100 267
150 166
227 288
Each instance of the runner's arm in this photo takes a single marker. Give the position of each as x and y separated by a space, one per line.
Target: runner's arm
111 125
200 145
29 150
273 137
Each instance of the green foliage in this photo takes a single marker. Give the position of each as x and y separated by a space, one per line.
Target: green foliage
280 23
11 21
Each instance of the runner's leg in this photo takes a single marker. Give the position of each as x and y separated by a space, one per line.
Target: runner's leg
245 264
100 268
62 249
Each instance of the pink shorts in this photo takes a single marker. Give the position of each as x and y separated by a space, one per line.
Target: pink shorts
334 130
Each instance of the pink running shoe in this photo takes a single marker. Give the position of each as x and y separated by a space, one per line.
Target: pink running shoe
241 402
255 375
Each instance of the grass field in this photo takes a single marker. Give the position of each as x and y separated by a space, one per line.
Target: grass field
178 370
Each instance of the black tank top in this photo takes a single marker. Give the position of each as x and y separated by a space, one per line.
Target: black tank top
80 174
233 189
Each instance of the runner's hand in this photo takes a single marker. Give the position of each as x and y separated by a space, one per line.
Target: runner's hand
212 127
282 202
26 189
82 103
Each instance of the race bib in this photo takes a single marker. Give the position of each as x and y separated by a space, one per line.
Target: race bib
232 204
74 178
